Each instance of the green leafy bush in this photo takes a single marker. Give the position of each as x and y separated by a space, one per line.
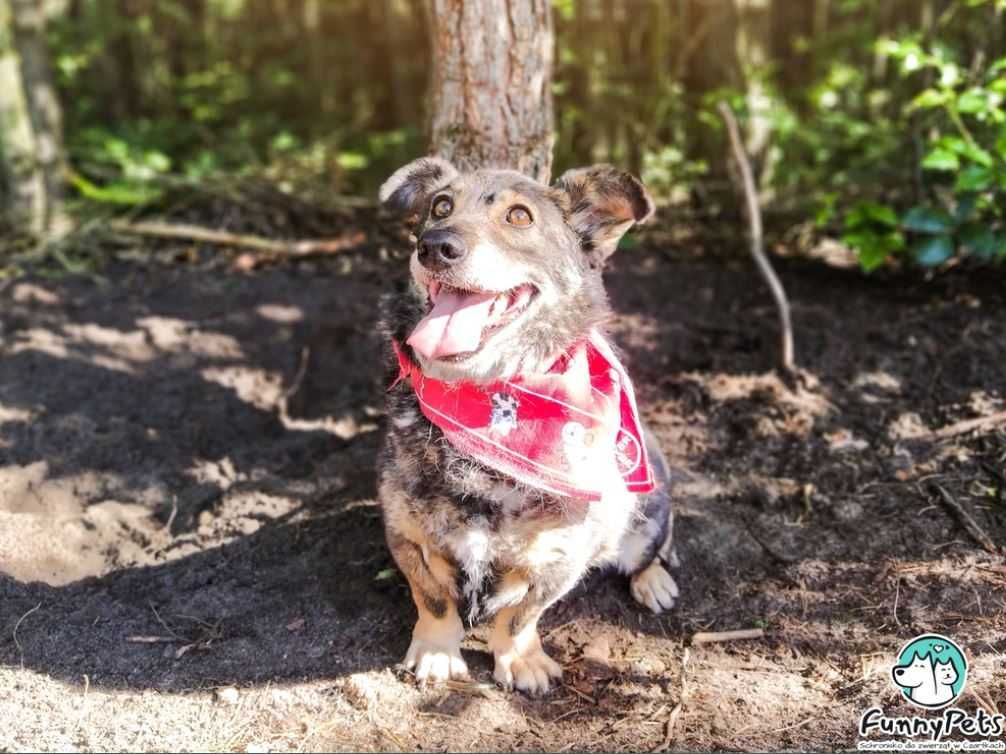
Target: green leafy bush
959 204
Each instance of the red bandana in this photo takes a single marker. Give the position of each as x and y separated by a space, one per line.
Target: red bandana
563 432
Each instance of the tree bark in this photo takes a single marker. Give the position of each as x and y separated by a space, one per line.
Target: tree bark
709 62
23 183
793 23
44 115
492 84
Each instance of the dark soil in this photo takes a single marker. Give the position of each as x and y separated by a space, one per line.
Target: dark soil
191 557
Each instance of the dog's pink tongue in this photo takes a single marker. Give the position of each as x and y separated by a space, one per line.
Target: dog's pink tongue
454 326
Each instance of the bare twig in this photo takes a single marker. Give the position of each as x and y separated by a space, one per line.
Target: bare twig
757 239
268 246
897 594
672 719
305 357
161 621
20 649
968 425
174 514
967 521
143 639
585 697
713 637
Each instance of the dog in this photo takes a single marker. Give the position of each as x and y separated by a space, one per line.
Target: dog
926 680
514 460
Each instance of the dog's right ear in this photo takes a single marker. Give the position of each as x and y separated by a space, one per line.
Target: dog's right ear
409 188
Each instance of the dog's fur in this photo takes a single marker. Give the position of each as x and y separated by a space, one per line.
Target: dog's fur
475 544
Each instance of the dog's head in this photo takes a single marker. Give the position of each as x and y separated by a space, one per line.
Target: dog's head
507 271
913 674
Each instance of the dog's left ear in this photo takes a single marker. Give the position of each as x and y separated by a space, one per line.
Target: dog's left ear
600 204
409 188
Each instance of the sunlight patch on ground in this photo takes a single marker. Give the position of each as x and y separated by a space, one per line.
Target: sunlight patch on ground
881 380
10 415
984 403
738 697
281 313
806 402
908 426
49 532
257 387
178 336
875 387
31 293
221 473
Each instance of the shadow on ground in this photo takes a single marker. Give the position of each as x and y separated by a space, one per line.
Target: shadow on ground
187 503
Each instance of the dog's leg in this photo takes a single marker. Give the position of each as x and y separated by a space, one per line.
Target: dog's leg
521 661
647 551
435 651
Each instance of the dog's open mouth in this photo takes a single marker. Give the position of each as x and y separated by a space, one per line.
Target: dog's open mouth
461 321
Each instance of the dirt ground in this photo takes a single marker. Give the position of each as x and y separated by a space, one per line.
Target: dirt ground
191 557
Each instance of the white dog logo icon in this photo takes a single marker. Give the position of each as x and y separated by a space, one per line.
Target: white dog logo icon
930 671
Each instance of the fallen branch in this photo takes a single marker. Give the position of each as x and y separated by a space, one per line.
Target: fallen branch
714 637
757 239
269 246
968 425
672 719
965 519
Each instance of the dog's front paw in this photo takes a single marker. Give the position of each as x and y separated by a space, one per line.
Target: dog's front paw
654 587
433 663
531 671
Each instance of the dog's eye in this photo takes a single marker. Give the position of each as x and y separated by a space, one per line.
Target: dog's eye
442 207
519 216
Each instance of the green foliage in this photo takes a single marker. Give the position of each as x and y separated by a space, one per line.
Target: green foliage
159 93
884 121
872 229
957 112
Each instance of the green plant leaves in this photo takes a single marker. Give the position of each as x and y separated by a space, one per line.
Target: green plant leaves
933 251
872 248
974 178
928 220
941 159
983 241
867 213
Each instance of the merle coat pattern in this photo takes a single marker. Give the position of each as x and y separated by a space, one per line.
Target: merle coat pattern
475 544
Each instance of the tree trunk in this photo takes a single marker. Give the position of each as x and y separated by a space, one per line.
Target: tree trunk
793 28
28 100
709 62
23 184
492 84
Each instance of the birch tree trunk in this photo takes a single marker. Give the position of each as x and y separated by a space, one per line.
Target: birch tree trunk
492 84
23 184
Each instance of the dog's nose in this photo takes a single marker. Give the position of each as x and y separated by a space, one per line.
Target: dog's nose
440 249
899 672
